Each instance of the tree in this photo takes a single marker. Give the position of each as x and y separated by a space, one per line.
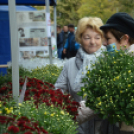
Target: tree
67 12
98 8
126 6
39 7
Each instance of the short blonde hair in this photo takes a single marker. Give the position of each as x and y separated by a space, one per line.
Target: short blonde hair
88 22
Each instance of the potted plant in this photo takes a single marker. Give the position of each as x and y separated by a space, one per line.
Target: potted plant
109 88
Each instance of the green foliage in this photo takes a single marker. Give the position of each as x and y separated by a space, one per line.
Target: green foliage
109 87
126 6
97 8
49 73
51 118
5 79
39 7
67 12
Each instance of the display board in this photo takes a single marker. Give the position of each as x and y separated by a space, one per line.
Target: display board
32 34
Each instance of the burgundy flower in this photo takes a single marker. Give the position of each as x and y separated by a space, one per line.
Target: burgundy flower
53 100
35 124
34 91
10 119
21 83
27 133
3 121
13 129
21 123
60 103
10 92
39 81
27 93
29 85
23 118
3 117
43 91
44 131
74 109
37 95
75 103
46 100
39 86
3 89
52 92
46 87
27 127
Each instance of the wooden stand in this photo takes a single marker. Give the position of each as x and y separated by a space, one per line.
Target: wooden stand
3 66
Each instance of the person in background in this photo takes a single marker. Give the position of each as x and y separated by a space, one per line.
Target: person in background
71 46
90 37
59 41
119 32
65 36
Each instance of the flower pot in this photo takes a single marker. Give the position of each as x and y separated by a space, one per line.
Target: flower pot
126 128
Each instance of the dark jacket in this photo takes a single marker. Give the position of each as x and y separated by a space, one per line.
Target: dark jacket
65 36
71 45
60 40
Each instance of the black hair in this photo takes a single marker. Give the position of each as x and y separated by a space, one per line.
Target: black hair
71 25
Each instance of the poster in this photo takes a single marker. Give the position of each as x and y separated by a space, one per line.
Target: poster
32 34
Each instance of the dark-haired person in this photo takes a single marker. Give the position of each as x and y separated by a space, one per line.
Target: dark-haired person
119 32
65 36
59 41
71 47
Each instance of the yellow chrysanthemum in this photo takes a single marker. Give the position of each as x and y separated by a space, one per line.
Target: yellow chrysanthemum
52 115
62 112
129 85
117 77
88 72
84 95
8 111
19 104
129 71
99 103
45 113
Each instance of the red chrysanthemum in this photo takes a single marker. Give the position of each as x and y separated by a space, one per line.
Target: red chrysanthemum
27 133
21 123
13 129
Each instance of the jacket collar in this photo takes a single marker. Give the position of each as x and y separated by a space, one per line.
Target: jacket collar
78 60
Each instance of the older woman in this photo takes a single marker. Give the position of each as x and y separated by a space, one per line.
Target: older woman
119 32
90 37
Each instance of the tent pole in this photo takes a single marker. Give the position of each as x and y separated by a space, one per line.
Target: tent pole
47 26
55 24
14 49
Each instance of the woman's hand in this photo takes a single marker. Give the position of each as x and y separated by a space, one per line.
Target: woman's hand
84 113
